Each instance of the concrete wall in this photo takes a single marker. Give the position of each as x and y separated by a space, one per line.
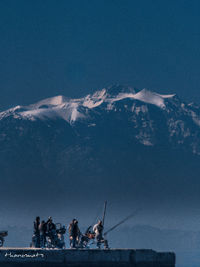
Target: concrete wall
21 257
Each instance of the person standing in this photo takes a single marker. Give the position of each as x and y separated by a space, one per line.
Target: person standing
37 231
74 233
51 231
43 230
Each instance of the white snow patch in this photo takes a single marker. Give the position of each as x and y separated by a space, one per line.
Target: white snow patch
95 100
145 96
92 125
73 109
68 110
146 143
110 106
89 103
52 101
195 118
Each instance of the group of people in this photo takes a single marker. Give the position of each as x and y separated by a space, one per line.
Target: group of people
46 234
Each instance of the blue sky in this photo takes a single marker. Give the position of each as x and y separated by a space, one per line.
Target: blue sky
74 47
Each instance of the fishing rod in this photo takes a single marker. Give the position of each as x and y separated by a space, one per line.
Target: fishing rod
103 219
121 222
104 212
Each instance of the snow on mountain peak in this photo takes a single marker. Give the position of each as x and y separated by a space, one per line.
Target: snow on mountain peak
73 109
55 107
117 93
52 101
152 98
145 96
93 101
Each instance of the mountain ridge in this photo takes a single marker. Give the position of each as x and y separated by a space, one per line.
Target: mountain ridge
90 101
125 149
143 110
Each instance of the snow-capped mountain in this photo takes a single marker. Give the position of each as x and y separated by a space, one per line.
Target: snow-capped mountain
72 110
136 142
144 112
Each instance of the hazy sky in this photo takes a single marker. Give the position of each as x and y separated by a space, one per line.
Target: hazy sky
73 47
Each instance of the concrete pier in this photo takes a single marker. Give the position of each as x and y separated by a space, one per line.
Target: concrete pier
26 257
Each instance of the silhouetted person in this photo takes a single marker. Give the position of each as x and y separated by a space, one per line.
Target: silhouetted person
51 230
74 233
43 233
37 231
